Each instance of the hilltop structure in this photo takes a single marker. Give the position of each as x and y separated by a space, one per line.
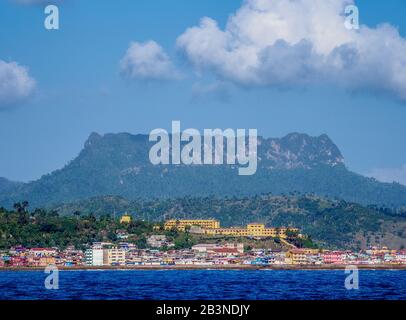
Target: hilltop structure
181 225
126 218
212 227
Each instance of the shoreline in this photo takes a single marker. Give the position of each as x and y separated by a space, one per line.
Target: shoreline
212 267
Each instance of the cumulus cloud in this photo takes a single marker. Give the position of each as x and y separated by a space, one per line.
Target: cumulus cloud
16 85
288 43
389 174
148 61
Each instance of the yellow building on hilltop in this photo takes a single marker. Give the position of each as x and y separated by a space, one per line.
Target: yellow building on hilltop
252 230
181 225
212 227
126 218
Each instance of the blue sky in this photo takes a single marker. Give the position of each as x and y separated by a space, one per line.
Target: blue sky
79 88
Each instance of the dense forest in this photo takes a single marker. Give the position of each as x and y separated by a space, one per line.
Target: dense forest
42 228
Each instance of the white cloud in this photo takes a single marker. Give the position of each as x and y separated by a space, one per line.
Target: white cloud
389 174
148 61
16 85
298 42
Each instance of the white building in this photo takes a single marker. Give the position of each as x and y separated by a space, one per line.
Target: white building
94 257
202 248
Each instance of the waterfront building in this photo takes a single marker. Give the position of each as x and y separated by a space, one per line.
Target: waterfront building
224 252
18 261
94 257
113 257
303 256
35 261
237 248
278 258
105 256
203 247
297 257
42 252
46 261
400 257
335 257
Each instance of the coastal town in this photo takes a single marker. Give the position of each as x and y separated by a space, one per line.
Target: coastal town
161 252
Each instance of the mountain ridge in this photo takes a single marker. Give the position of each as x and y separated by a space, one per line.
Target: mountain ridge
8 185
118 164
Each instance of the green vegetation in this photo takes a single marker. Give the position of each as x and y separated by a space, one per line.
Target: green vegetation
42 228
330 222
45 228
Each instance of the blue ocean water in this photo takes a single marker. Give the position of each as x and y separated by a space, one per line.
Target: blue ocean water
204 284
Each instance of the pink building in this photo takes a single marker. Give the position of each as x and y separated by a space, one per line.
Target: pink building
334 257
18 261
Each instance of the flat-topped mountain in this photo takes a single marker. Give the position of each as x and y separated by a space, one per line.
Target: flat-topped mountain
298 151
119 165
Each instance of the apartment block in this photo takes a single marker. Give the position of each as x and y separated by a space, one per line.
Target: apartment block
94 257
104 255
113 257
